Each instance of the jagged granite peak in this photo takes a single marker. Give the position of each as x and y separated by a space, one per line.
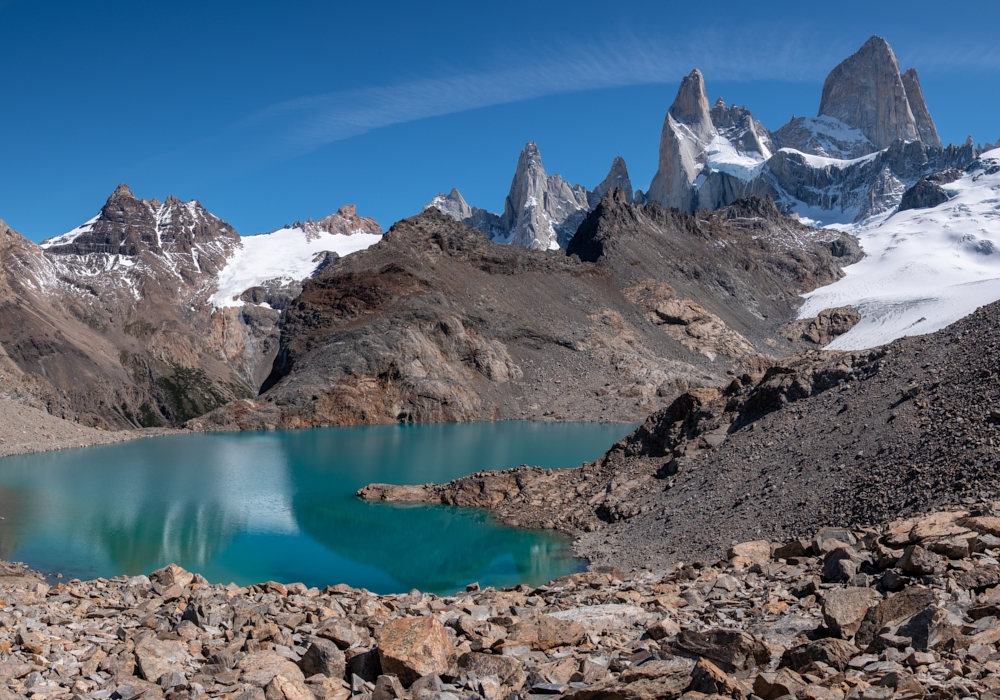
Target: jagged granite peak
687 129
706 156
691 104
541 212
866 92
737 125
617 179
915 95
453 204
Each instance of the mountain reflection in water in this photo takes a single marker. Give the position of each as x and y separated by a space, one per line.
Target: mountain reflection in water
249 507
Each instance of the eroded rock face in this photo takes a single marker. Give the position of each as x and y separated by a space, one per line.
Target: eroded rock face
866 92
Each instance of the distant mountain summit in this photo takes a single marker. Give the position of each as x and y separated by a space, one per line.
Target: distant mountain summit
866 92
541 211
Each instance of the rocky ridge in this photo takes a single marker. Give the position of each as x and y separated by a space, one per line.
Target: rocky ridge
437 323
903 611
113 325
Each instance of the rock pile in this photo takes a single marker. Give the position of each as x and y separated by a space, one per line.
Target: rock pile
909 611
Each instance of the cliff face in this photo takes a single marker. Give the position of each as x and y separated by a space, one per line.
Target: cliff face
436 322
866 92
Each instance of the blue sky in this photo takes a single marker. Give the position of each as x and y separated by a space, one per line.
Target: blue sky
270 112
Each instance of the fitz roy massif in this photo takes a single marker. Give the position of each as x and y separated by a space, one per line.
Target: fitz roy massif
804 321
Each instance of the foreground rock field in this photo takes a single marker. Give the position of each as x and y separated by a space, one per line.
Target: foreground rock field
909 611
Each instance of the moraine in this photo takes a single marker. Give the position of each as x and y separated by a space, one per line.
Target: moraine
251 507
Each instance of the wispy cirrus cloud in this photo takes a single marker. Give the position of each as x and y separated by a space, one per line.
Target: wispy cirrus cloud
301 125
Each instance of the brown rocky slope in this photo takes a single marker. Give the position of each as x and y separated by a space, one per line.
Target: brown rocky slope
821 438
437 323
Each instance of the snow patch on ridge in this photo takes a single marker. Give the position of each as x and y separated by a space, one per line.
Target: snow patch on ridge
286 254
924 268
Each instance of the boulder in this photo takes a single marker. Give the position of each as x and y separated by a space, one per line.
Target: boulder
545 632
731 650
388 688
343 633
601 619
171 575
260 667
323 657
507 669
845 608
411 647
663 629
841 564
894 608
835 653
918 561
772 685
758 551
281 688
710 679
980 578
931 628
155 657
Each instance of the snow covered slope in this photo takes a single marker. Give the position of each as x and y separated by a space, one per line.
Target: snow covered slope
288 255
925 268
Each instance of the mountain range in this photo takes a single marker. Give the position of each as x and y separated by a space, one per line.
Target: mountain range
158 313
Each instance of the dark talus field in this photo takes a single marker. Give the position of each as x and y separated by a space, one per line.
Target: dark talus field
436 322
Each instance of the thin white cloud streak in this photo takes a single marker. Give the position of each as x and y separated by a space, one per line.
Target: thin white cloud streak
305 124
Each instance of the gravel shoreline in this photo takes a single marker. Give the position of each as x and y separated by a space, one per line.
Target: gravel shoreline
24 430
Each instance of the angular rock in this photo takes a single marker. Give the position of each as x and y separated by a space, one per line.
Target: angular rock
343 633
710 679
979 579
601 619
835 653
388 688
413 647
323 657
845 608
281 688
509 671
841 564
260 667
156 657
757 551
894 608
772 685
918 561
931 628
731 650
545 632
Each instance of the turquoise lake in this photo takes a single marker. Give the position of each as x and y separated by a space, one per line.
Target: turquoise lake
252 507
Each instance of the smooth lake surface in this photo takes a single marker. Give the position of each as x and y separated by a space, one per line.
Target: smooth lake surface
252 507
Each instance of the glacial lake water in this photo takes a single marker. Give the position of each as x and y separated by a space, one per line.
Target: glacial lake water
252 507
